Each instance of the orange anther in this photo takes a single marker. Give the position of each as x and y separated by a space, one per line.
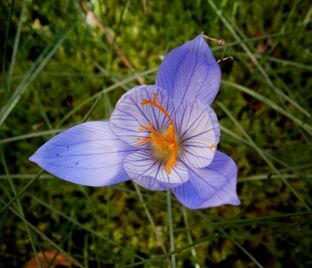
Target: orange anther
164 145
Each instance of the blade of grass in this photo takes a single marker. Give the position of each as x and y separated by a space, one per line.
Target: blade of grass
42 111
113 76
149 217
295 169
273 158
260 152
170 225
86 251
271 104
287 62
32 73
207 238
16 44
73 111
263 37
264 177
254 220
31 135
41 234
255 261
274 74
81 226
231 29
103 91
6 37
25 176
21 192
20 208
175 252
100 25
88 114
189 236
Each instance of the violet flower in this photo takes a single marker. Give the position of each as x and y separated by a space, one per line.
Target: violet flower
162 136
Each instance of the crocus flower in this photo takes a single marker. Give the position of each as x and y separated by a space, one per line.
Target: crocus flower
162 136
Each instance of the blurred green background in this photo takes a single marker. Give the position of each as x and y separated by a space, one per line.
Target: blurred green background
61 66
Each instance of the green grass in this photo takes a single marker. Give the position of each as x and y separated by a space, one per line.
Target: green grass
58 71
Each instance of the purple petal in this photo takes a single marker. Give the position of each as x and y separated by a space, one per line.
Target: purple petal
130 115
141 163
150 183
190 71
87 154
198 131
212 186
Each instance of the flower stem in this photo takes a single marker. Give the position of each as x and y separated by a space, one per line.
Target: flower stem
189 236
173 261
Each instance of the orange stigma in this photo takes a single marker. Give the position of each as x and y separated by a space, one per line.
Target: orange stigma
164 145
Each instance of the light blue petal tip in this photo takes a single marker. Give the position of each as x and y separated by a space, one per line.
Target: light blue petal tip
87 154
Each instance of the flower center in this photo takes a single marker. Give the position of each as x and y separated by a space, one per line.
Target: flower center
164 144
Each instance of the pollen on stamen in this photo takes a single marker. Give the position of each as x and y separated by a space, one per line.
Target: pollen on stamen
163 144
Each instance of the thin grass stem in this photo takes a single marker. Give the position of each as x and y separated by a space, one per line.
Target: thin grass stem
170 224
189 236
264 157
16 44
150 218
20 210
21 192
43 236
